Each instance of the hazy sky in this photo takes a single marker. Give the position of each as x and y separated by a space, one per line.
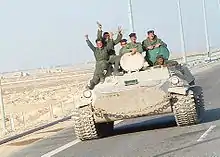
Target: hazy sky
35 33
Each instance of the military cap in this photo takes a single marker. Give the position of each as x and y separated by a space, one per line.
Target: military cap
159 56
150 31
105 33
123 40
132 35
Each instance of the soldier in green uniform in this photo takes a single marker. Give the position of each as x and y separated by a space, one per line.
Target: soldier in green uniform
160 60
152 42
113 58
123 44
101 53
117 69
134 46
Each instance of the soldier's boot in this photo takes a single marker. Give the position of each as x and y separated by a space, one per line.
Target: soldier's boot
90 86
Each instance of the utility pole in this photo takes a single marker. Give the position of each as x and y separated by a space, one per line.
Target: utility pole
2 109
206 30
181 31
130 16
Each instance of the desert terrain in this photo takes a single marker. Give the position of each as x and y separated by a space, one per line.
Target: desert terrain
34 97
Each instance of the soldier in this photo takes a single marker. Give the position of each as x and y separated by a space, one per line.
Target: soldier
161 61
117 58
113 59
134 46
101 54
123 44
151 43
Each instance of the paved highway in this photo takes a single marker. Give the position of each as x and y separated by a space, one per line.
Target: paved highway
143 137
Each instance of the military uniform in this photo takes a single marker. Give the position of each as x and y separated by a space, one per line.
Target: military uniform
113 58
128 48
147 42
101 57
166 62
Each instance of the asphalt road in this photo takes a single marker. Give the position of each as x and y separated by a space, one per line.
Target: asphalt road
148 136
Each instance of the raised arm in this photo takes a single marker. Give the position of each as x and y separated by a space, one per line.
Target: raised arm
119 36
89 43
99 32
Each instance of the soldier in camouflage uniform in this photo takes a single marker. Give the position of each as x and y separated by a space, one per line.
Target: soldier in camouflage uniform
101 53
113 58
152 42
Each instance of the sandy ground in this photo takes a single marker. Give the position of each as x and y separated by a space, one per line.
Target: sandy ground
29 99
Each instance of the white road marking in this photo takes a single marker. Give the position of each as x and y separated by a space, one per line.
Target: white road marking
206 133
53 152
70 144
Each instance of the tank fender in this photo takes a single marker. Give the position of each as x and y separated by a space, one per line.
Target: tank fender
179 90
82 100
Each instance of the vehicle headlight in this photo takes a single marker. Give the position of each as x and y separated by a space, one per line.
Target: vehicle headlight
174 80
87 93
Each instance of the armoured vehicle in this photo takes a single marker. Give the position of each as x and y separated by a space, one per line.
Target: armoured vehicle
141 91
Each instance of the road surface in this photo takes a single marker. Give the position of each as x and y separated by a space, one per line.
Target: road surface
143 137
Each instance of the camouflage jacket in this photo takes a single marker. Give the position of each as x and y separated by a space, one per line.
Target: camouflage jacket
101 53
156 40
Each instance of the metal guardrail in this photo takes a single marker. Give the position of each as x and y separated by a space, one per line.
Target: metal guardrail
18 123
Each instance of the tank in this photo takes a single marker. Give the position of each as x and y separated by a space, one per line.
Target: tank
141 91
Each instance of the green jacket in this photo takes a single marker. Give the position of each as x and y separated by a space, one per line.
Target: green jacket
156 40
122 51
115 42
128 48
101 53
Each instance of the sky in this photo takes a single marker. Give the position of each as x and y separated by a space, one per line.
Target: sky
44 33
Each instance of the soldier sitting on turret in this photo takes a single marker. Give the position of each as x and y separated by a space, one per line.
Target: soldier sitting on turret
134 46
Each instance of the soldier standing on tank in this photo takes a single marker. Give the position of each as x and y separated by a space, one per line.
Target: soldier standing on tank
152 42
113 58
101 53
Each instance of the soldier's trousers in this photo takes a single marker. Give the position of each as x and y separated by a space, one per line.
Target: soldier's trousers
115 59
99 71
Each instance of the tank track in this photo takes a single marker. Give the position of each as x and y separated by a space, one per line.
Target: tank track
188 110
84 124
199 99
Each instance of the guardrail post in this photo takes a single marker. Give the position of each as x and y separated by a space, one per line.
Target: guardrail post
2 109
23 120
12 122
51 111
